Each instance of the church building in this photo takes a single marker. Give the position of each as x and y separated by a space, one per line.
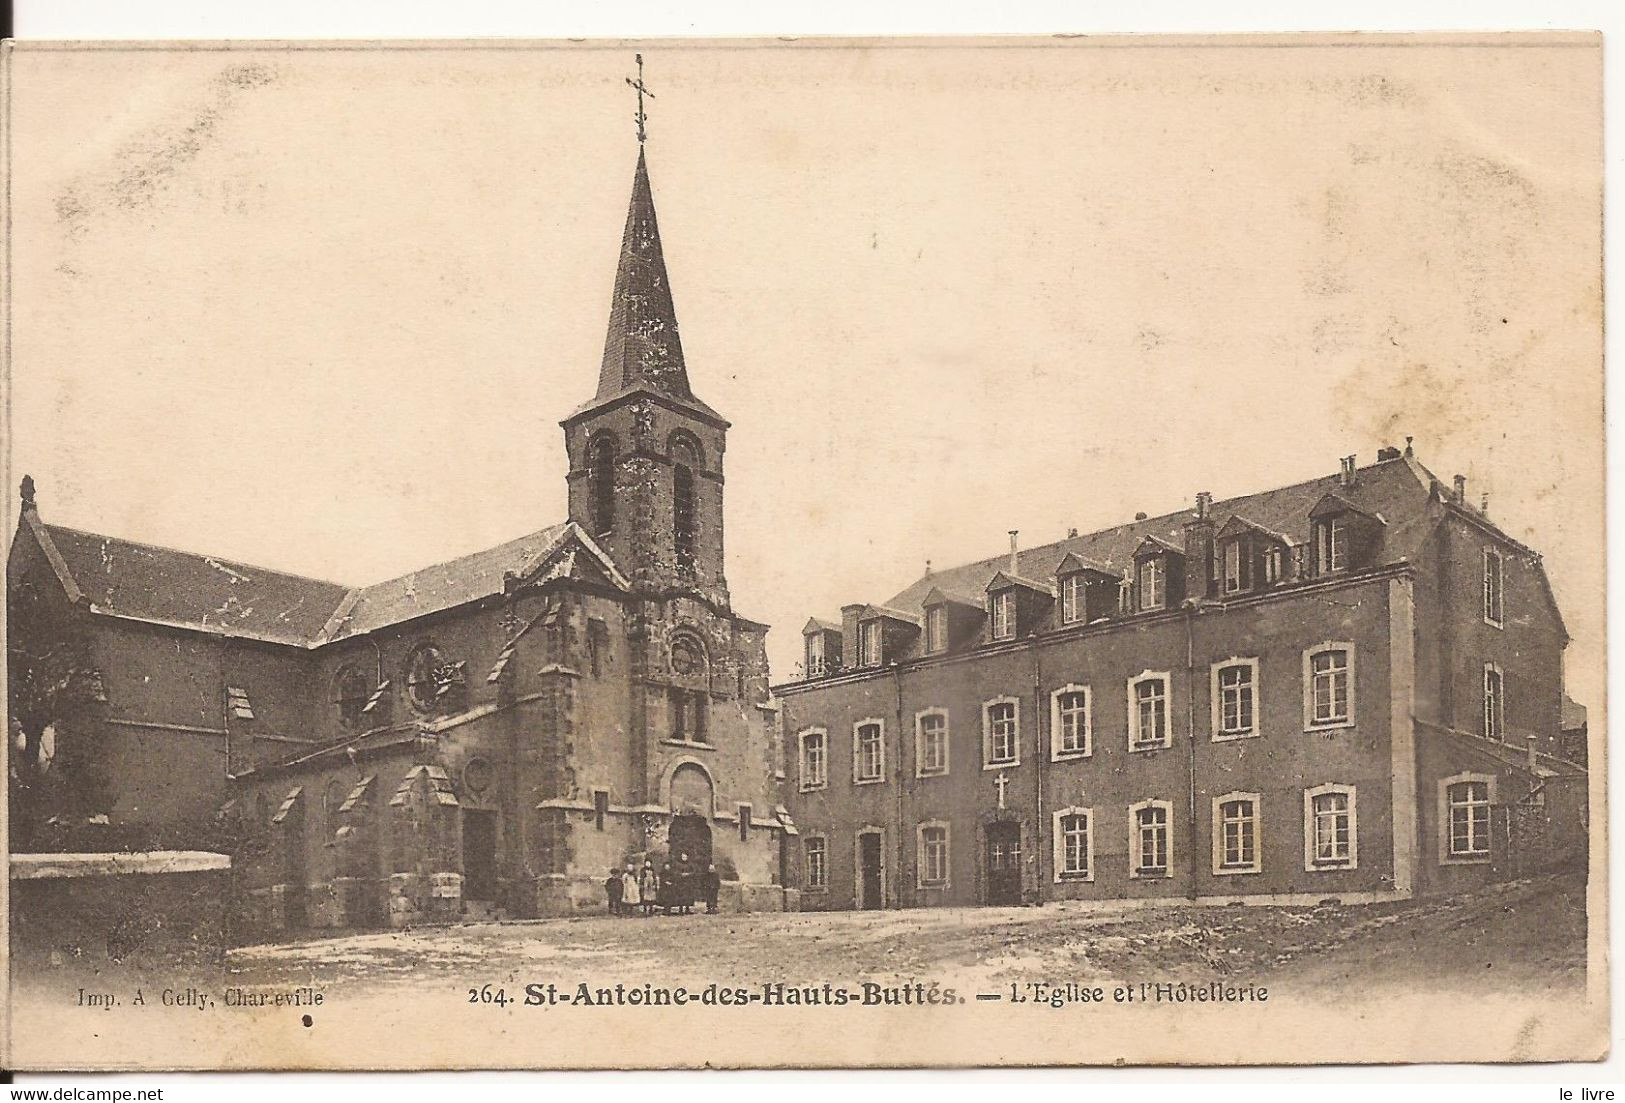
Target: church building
479 738
1350 687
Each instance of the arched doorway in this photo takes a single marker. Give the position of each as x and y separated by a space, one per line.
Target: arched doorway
690 796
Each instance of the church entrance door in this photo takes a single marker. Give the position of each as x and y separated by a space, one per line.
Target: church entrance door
690 835
479 855
1004 863
870 882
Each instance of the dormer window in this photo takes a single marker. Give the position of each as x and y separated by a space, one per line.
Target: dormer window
1235 567
1274 565
1331 545
1074 604
822 642
936 629
1153 583
817 663
1004 615
870 638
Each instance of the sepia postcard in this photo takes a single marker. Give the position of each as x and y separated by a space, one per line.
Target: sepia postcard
1045 551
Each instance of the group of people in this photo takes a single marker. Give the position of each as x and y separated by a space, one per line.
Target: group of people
676 887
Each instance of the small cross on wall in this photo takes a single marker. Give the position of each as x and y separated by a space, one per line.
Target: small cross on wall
1003 782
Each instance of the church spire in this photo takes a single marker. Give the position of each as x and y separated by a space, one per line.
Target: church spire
642 348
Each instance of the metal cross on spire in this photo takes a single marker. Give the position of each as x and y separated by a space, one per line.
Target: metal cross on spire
643 90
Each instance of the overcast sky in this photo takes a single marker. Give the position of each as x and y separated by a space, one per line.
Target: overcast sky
322 310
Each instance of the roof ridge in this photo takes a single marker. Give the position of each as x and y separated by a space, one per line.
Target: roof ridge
488 549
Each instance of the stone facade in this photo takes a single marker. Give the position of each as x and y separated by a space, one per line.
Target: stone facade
484 737
1314 711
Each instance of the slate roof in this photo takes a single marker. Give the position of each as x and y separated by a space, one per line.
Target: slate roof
442 586
125 578
198 591
1397 489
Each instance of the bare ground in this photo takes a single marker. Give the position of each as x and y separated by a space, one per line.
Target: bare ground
1526 935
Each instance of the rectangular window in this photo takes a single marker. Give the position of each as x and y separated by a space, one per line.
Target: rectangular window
1236 695
1072 721
817 871
868 751
1153 583
1494 706
1004 615
1329 702
936 629
1332 545
1148 712
815 655
1273 562
597 645
1469 819
1001 719
932 744
1150 849
1074 844
814 760
745 813
1332 823
933 855
1232 566
869 641
1074 605
1237 831
600 807
1493 587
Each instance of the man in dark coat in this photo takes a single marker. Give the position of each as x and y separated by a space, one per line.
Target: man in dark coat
710 886
612 886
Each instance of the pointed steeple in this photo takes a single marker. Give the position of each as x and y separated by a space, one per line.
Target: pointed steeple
642 348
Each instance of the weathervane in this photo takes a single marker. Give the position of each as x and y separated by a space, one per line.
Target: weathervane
643 90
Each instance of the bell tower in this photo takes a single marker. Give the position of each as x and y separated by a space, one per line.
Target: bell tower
645 453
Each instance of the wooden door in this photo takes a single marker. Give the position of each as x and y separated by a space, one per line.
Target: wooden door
1004 863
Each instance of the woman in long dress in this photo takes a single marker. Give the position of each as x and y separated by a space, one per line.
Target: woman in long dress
630 897
649 887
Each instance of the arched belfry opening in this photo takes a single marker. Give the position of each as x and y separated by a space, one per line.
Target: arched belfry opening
602 473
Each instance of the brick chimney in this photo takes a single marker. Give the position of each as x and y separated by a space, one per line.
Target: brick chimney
1015 559
1346 475
1460 496
1199 549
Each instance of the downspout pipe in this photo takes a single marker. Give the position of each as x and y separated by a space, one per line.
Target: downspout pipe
899 774
1191 609
1040 757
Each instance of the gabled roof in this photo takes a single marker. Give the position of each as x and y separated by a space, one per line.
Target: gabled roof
163 585
124 578
814 625
1334 503
1072 563
1398 488
1237 525
445 585
939 596
1004 580
886 612
1154 545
